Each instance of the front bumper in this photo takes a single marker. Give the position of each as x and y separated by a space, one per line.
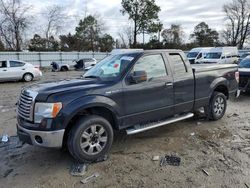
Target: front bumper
48 139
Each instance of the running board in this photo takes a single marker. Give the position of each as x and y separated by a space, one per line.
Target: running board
141 128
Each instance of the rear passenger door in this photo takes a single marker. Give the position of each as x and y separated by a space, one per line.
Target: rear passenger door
16 69
183 83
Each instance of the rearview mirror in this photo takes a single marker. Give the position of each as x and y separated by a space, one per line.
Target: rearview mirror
138 77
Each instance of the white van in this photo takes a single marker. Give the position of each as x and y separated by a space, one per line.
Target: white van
196 55
224 55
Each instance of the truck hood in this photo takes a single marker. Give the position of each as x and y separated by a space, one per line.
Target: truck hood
47 88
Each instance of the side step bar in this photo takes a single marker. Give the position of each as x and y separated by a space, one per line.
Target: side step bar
142 128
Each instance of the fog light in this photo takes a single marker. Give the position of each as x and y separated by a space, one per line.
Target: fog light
39 139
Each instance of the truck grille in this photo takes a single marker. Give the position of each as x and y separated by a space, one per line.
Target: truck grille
25 105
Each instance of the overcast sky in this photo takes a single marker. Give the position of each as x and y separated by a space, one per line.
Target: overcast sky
188 13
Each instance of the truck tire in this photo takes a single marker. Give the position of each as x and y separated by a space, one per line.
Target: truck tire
217 106
90 138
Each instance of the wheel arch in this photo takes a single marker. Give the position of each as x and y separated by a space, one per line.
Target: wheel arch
222 89
95 108
28 73
220 85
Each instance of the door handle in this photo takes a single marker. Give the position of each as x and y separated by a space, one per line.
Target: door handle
4 70
169 84
23 69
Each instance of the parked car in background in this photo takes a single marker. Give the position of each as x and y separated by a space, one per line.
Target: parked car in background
85 64
59 67
18 70
244 70
197 54
243 55
222 55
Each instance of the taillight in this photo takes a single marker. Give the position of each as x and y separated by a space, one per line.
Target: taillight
37 67
237 76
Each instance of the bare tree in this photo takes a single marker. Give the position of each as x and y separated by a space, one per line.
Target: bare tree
129 34
126 37
173 35
55 20
122 39
238 22
13 23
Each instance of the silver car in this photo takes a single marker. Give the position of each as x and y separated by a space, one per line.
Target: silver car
18 70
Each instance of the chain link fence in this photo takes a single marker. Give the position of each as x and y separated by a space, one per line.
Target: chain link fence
44 59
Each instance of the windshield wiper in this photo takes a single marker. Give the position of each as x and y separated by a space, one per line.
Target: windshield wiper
92 76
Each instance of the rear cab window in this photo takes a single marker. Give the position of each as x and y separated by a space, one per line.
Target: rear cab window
178 64
16 64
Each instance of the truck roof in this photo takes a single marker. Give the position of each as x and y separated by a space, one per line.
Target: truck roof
124 51
164 50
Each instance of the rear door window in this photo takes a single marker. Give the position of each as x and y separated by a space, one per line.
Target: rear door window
3 64
16 64
179 66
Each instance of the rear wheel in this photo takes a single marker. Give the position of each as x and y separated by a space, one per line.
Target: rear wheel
64 68
217 106
90 138
28 77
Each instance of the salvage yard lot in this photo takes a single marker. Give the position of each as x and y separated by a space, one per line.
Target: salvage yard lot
213 154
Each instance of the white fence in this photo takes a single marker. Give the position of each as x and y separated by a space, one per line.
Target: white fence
44 59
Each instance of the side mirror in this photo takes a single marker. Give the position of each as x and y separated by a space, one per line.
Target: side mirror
223 57
138 77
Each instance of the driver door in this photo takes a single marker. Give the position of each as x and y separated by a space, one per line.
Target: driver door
153 99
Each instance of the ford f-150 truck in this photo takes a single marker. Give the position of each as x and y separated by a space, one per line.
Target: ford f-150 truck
133 91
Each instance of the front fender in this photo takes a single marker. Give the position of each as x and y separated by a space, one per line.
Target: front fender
71 109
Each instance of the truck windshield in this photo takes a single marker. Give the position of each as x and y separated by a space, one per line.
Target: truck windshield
110 67
192 54
214 55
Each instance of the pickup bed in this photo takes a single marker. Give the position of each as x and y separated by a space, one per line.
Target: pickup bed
134 91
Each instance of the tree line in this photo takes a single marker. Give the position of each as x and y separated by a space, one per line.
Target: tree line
90 35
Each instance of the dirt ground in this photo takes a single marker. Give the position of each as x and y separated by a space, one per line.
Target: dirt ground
213 154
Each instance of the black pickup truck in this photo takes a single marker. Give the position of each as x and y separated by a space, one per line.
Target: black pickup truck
133 91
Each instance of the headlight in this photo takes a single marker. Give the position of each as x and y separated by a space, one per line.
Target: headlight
46 110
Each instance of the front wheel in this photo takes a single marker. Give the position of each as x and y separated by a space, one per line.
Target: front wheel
90 139
217 106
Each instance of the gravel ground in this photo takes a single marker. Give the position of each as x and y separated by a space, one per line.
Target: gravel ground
213 154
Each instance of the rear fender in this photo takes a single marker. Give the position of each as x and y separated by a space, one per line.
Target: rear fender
216 83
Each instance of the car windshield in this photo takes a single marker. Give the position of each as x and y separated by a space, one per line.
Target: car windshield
111 67
192 54
214 55
245 63
244 56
